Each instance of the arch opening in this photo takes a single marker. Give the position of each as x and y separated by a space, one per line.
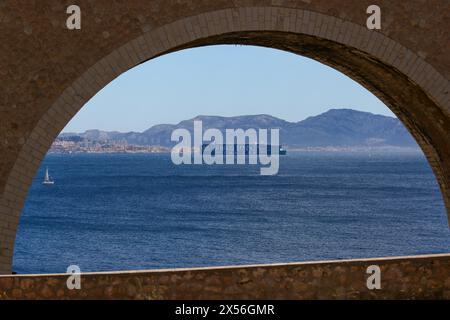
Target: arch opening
293 228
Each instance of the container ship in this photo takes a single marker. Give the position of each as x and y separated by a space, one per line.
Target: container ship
247 149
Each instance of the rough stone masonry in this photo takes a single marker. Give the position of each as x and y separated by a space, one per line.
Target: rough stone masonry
49 72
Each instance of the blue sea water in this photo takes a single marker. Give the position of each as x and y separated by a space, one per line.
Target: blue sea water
139 211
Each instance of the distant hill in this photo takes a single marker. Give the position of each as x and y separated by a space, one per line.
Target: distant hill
334 128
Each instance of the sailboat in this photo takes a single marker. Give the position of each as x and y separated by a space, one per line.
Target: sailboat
47 179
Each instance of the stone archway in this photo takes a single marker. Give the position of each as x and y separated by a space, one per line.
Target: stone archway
410 86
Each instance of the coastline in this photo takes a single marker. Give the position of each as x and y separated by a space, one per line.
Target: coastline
328 149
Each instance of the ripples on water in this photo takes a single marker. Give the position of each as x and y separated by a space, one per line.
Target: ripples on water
139 211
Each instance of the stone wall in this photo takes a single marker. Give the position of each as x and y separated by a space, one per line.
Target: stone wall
417 277
48 72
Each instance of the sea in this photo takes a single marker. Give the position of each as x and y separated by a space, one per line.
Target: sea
140 211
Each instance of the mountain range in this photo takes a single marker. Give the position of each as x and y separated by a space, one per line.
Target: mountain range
334 128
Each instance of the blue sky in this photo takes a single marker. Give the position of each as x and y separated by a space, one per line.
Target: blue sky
225 81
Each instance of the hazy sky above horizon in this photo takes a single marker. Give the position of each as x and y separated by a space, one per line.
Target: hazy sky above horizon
224 81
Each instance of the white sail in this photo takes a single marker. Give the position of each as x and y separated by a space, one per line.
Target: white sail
47 179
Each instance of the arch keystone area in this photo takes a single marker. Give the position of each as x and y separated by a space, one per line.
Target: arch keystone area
48 72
